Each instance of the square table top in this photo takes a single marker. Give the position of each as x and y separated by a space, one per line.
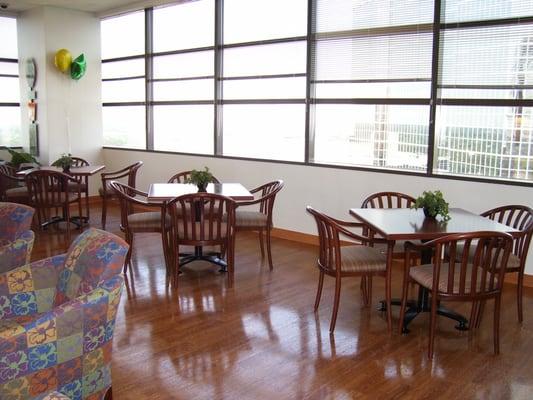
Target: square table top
168 191
411 224
86 170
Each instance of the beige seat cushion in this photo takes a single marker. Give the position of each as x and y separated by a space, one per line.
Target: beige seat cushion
146 220
423 275
17 192
362 259
398 246
181 230
73 186
70 197
512 263
250 219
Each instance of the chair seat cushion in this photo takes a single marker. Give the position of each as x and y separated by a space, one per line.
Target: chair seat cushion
398 246
146 220
73 186
512 264
362 259
197 227
250 219
70 197
423 275
17 192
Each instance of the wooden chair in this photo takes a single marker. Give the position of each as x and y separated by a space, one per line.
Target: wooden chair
203 219
520 218
83 182
50 190
261 219
389 200
134 221
460 277
129 172
355 257
12 187
182 177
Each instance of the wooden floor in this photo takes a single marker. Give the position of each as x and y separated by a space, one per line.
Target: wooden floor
262 340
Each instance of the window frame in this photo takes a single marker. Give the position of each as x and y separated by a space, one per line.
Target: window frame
437 28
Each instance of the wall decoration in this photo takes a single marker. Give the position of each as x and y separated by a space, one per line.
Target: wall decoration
31 73
32 110
34 139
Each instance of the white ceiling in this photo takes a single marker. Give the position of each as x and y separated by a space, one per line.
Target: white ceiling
98 7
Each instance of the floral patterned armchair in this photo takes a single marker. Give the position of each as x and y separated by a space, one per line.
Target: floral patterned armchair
57 318
16 238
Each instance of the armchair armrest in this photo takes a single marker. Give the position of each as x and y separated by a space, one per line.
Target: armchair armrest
30 289
17 253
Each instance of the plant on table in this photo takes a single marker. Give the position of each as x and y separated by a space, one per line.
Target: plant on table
19 157
65 162
433 204
201 178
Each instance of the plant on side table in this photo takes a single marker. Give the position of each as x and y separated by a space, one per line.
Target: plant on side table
20 157
201 178
65 162
433 204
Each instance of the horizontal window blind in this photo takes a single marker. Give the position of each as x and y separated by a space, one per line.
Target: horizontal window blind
481 10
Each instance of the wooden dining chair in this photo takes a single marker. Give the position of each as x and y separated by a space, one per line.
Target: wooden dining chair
12 187
83 182
203 219
390 200
460 277
520 218
148 217
129 172
259 219
354 257
51 190
184 176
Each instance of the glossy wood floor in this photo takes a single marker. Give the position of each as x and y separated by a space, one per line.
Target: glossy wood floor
262 340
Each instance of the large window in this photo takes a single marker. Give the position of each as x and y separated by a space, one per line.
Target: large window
10 134
431 87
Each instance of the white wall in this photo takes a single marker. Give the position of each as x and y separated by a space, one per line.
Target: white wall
331 190
64 106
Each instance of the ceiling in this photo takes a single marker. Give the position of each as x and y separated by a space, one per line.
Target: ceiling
99 7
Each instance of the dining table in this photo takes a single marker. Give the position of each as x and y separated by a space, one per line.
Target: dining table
163 192
395 224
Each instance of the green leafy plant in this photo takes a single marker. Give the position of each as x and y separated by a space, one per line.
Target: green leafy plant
433 204
20 157
65 161
201 178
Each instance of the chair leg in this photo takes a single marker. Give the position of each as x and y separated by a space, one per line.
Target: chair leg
261 244
480 309
269 249
104 211
336 301
66 216
405 293
432 323
388 294
319 291
80 214
520 295
473 315
129 240
363 287
87 205
497 302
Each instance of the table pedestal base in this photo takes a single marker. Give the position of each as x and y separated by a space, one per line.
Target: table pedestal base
415 307
213 258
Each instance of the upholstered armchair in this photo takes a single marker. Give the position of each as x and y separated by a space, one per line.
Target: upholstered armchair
16 238
57 319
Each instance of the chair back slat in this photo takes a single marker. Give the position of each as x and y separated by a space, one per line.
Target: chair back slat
47 189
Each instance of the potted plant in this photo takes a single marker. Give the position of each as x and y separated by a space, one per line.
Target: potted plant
65 162
20 157
201 178
433 204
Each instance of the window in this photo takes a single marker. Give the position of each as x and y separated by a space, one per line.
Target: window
183 77
123 81
433 87
10 133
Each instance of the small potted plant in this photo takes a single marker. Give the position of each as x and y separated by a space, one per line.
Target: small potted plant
20 157
201 178
433 204
65 162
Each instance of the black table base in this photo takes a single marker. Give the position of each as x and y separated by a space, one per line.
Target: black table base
198 255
